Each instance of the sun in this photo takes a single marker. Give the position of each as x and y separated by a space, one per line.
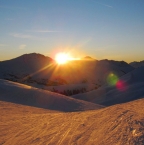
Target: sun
62 58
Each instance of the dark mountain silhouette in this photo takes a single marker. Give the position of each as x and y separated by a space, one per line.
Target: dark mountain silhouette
137 64
88 58
38 67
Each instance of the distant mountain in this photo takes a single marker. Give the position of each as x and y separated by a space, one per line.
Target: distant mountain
137 64
27 95
129 87
87 58
36 68
26 63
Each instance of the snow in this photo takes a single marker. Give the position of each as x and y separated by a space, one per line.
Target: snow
118 124
131 89
23 94
8 84
67 89
32 115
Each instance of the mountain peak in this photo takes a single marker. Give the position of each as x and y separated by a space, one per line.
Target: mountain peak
35 55
88 58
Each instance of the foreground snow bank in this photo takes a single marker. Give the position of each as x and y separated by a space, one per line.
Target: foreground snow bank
23 94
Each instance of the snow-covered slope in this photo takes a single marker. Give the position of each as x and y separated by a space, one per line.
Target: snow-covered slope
137 64
27 95
116 125
129 87
41 69
67 90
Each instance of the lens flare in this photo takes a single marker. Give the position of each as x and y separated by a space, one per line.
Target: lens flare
121 85
112 79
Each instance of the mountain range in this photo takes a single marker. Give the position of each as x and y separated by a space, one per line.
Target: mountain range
40 68
137 64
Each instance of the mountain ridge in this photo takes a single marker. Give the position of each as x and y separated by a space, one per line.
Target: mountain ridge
137 63
40 67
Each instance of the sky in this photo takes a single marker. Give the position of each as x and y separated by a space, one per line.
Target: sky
102 29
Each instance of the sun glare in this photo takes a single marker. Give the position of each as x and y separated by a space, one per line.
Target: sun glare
62 58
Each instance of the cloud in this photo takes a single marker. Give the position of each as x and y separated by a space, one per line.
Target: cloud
26 36
22 46
43 31
18 35
11 7
109 6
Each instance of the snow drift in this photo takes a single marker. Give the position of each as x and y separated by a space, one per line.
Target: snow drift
27 95
129 87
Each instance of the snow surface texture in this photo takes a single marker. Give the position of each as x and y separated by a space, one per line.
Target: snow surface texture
115 125
129 87
27 95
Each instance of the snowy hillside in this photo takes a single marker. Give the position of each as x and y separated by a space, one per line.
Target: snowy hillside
129 87
137 64
116 125
27 95
67 90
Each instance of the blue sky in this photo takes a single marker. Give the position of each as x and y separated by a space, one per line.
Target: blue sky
103 29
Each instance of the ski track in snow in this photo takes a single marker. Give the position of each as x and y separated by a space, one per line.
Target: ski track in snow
119 124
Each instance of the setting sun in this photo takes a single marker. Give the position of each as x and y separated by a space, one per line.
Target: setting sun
62 58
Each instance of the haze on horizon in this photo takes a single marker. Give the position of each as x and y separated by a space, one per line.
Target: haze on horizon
101 29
